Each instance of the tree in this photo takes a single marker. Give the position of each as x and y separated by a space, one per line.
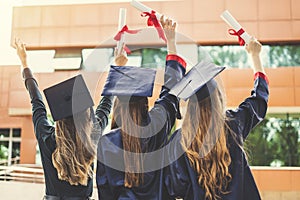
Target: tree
233 56
154 58
258 145
287 55
287 137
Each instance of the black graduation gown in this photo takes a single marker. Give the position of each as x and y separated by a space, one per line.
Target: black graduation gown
181 179
45 135
160 120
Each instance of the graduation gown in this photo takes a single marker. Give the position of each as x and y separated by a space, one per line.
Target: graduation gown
181 179
159 122
45 135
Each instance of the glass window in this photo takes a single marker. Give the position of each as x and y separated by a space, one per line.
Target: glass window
17 132
97 59
275 142
10 140
236 56
3 151
154 58
4 133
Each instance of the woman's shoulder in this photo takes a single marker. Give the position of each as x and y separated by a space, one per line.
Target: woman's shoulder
113 137
176 136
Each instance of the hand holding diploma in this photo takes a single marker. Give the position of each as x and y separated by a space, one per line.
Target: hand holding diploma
254 49
120 56
169 29
237 30
153 17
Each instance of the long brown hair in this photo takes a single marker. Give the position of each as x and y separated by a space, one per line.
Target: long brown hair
205 141
74 151
128 114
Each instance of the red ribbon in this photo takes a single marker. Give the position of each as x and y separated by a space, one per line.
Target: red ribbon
152 21
238 34
122 31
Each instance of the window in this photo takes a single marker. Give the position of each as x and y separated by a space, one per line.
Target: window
275 141
236 56
10 140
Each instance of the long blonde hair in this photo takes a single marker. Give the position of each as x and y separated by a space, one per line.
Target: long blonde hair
137 109
205 141
75 152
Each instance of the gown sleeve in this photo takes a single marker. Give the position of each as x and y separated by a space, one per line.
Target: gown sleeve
101 117
252 110
103 186
166 107
176 175
42 127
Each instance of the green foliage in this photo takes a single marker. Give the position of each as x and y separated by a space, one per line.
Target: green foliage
232 56
287 139
287 55
275 140
154 58
3 152
236 56
261 150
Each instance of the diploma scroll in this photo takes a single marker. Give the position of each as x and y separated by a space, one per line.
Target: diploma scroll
153 19
144 8
122 23
239 31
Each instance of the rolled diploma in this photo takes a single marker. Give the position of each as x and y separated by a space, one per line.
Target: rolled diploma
122 23
144 8
231 21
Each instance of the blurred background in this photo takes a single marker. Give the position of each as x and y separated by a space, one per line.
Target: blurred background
68 37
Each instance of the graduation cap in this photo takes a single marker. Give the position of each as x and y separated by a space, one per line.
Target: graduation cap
199 79
129 81
68 98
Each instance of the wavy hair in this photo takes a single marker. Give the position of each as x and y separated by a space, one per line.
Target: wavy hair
205 141
137 109
75 152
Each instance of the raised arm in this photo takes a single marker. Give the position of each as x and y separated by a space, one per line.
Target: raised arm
39 115
253 109
104 107
169 29
166 107
254 49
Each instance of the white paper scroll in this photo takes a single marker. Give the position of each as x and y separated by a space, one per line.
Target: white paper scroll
231 21
122 23
144 8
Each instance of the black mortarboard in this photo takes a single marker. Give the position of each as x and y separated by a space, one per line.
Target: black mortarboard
199 78
129 81
68 98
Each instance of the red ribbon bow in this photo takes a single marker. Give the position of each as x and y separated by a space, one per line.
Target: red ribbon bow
152 21
238 34
122 31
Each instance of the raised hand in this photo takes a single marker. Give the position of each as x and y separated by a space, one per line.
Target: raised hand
21 51
169 28
253 49
120 59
